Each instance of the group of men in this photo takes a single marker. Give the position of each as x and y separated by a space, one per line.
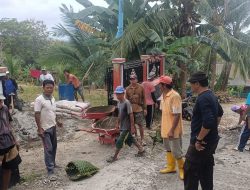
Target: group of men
132 106
199 161
70 79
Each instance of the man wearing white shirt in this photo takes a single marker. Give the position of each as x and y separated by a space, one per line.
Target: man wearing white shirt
45 76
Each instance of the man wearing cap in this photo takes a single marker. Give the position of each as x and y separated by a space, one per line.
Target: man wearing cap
45 76
207 112
171 126
149 90
135 94
125 124
9 156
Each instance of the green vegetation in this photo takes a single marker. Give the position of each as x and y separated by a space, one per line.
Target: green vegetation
29 178
95 97
194 35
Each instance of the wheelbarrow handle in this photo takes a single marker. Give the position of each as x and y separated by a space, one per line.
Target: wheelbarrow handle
88 130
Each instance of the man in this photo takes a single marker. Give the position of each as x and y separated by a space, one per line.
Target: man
10 88
207 112
9 156
45 76
171 126
45 116
135 94
126 125
72 79
151 101
245 131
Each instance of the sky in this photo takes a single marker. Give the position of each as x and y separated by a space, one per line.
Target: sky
42 10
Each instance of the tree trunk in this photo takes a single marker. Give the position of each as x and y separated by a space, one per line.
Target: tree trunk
183 78
213 62
225 76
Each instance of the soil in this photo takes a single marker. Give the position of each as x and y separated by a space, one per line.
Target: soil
231 172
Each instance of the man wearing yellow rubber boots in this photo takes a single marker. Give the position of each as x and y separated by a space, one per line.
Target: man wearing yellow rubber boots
171 126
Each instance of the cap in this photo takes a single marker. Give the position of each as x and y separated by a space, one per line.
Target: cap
119 90
43 69
7 72
235 108
198 76
2 97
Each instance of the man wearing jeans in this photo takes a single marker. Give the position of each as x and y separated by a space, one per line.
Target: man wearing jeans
45 116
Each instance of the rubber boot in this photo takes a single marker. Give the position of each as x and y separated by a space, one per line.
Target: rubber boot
180 163
171 165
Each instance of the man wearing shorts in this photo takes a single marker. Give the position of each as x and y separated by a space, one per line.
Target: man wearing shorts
136 95
9 156
126 125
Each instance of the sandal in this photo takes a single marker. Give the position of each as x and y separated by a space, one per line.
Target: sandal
111 159
140 153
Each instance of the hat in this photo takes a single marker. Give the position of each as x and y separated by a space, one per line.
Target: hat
2 97
163 79
119 90
7 72
43 69
133 74
235 108
198 76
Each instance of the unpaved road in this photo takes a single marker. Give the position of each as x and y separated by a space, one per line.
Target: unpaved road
232 169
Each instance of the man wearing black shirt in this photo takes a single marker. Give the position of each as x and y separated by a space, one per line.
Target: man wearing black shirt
207 112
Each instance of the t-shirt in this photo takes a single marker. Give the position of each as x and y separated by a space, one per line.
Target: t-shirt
47 108
6 137
205 114
124 109
46 77
74 80
148 89
170 105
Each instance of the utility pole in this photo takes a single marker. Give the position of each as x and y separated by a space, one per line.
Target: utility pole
120 20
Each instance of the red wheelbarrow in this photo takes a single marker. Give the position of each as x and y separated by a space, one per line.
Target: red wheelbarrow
98 112
104 125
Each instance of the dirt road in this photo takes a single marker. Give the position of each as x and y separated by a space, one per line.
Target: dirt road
232 170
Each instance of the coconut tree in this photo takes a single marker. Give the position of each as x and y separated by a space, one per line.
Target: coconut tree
225 22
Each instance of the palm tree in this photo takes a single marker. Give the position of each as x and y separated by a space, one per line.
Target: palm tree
225 23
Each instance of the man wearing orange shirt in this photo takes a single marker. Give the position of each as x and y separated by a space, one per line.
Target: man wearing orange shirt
72 79
171 126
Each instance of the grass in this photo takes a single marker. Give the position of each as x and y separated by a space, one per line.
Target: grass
95 97
30 177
